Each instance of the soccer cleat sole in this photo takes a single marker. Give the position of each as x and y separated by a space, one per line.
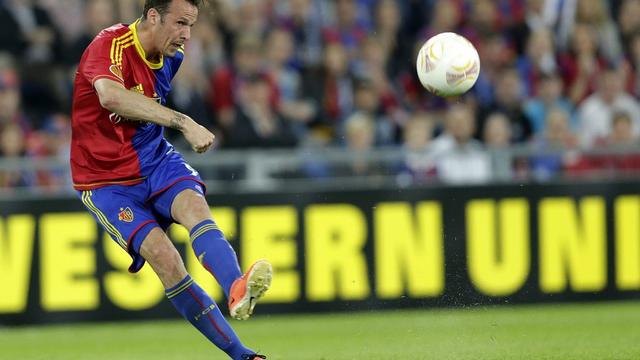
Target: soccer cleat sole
258 282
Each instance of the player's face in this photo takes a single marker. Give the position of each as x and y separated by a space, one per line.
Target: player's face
175 28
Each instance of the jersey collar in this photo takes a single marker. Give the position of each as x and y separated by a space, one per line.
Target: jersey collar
140 50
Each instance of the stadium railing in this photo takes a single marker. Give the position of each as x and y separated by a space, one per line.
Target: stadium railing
336 168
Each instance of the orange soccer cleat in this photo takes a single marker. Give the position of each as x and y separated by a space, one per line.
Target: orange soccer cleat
246 290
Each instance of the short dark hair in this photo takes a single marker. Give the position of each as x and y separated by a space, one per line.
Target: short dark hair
163 5
621 116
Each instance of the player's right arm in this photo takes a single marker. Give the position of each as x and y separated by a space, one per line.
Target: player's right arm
134 106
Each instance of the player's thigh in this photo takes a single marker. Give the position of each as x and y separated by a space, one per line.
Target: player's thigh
163 257
182 204
178 193
122 213
190 208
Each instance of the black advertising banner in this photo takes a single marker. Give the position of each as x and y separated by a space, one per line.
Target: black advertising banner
340 251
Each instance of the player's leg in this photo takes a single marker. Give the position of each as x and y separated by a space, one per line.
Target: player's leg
177 194
123 214
193 303
190 209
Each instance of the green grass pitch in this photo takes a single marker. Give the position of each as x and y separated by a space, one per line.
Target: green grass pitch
564 332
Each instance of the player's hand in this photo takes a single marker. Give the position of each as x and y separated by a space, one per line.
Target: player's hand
198 136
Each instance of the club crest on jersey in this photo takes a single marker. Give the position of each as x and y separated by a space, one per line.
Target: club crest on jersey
125 215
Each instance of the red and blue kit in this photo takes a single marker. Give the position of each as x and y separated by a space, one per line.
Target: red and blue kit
107 149
126 173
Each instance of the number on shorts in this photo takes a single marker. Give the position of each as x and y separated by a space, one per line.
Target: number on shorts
194 172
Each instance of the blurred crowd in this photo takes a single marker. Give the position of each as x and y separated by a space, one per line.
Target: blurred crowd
308 74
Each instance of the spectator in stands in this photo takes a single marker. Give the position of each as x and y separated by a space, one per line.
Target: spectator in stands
13 147
245 17
247 62
53 141
633 63
581 65
497 131
11 111
301 19
622 134
27 25
418 132
360 134
418 165
558 133
495 54
595 14
279 56
189 95
497 139
348 30
129 10
253 17
372 56
445 16
26 30
539 15
483 20
628 21
464 160
549 95
68 16
206 45
372 66
98 14
539 60
359 141
620 137
508 100
331 88
392 37
258 124
551 146
368 100
596 112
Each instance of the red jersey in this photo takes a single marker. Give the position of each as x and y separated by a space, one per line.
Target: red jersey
105 148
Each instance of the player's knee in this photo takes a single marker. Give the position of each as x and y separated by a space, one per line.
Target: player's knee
166 262
190 208
200 208
172 260
175 266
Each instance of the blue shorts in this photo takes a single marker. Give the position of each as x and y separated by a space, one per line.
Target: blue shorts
128 213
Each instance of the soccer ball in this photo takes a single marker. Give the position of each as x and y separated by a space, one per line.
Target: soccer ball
448 64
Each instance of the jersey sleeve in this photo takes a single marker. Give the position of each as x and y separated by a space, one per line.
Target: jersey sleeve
102 61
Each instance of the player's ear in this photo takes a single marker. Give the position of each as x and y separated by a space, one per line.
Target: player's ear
153 16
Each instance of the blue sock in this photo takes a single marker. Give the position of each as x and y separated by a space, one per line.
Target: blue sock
203 313
215 253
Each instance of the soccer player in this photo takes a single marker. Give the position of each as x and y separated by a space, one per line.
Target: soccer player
133 181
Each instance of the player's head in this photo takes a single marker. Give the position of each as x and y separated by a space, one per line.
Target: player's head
170 22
